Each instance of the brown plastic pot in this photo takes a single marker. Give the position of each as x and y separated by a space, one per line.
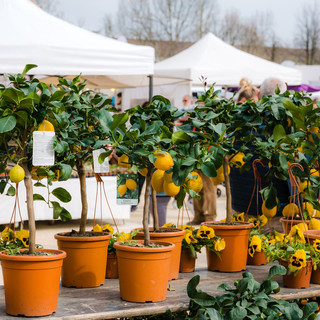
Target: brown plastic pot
286 224
86 262
187 261
234 256
112 266
258 259
31 283
143 271
299 281
175 236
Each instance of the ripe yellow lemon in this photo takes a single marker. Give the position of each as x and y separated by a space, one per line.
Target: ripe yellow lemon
302 226
269 213
220 176
308 206
131 184
313 130
168 177
314 172
122 189
46 125
195 184
314 224
157 180
302 186
170 188
164 160
123 162
16 174
144 172
237 160
290 210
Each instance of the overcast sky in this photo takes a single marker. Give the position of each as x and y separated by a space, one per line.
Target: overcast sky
89 13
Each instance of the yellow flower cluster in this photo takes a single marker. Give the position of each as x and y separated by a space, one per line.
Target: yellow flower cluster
255 245
259 222
105 228
298 260
205 232
9 235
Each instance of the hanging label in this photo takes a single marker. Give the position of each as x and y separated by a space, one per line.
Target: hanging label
127 189
100 167
43 153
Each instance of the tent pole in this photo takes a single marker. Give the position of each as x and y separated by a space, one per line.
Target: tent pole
150 86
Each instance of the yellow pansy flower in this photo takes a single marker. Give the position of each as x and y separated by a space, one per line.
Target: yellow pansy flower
169 225
108 228
189 238
316 245
23 236
124 237
205 232
255 245
97 228
296 235
263 220
186 227
298 260
7 234
238 217
280 237
219 245
255 222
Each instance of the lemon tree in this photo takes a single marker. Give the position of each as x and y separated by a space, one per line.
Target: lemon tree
146 136
24 108
78 131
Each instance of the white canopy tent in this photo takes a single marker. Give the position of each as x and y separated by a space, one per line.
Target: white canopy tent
59 48
223 64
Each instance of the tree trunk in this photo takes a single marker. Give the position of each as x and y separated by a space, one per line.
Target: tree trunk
83 192
146 209
31 218
228 189
155 210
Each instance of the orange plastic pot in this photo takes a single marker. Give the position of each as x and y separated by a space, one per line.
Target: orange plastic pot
112 266
143 271
234 256
175 236
287 223
86 262
187 261
258 259
299 281
31 283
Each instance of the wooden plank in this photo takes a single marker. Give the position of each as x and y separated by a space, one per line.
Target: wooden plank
105 303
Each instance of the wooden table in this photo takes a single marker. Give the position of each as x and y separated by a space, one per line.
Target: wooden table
104 302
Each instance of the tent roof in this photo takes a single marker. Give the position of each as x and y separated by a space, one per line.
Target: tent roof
223 64
59 48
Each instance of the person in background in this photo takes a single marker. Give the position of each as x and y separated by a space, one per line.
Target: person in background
247 91
187 102
270 85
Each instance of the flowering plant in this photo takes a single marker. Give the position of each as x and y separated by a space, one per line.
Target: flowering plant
12 240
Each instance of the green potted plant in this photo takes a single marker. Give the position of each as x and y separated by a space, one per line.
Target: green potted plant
24 105
79 132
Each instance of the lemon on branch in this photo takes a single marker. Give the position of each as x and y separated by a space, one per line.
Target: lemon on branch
123 162
157 180
122 189
269 213
131 184
195 184
164 160
46 125
16 174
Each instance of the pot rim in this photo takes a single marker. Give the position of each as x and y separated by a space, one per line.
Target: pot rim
62 236
221 225
57 255
169 247
177 233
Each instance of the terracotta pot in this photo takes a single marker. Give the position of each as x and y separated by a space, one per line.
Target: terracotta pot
112 266
86 262
187 261
286 224
174 236
258 259
234 256
301 280
31 283
143 271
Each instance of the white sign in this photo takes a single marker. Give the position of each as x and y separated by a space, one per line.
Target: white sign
100 167
43 153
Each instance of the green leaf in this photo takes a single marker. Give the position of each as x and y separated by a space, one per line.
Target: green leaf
7 124
56 209
62 194
309 309
11 191
104 155
3 184
37 196
118 120
65 215
278 132
298 114
209 169
192 286
276 270
65 172
238 313
180 137
27 68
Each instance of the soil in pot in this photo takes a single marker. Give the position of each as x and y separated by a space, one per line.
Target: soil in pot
32 282
143 271
86 262
234 256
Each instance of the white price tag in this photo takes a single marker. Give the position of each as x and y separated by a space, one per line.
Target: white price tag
43 153
100 167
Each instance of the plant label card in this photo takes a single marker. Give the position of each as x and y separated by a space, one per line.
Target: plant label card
127 189
97 166
43 152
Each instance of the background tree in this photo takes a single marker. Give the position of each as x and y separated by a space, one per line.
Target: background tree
308 31
50 7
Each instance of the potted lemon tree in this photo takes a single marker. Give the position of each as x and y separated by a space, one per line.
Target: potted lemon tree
24 105
78 133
